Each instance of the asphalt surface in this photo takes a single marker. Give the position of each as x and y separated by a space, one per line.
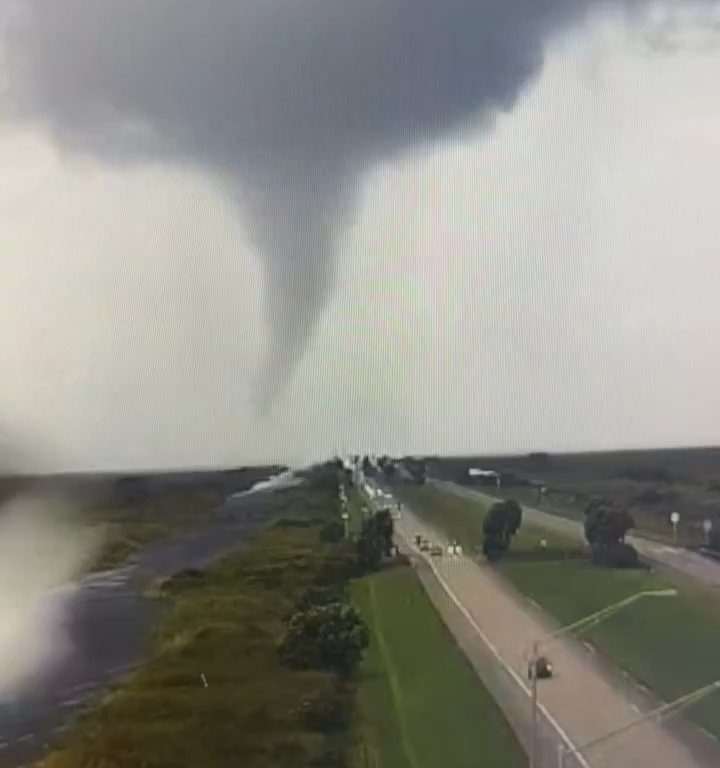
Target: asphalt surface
690 563
108 623
581 703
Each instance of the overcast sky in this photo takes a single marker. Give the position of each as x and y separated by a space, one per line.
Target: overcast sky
539 272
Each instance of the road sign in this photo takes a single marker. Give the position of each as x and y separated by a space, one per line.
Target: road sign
675 518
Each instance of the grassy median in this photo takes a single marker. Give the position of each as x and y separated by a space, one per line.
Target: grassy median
669 645
421 703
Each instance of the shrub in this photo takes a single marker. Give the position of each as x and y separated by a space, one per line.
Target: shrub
329 636
319 595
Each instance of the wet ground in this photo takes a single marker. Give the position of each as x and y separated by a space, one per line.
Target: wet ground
108 623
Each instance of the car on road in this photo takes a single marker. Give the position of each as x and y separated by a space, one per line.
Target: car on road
436 551
543 668
424 545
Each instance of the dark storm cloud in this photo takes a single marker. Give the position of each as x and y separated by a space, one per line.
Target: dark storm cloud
288 100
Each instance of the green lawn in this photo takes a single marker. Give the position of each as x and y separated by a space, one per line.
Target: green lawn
669 644
421 703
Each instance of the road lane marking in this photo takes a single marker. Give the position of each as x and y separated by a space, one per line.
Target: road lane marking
491 647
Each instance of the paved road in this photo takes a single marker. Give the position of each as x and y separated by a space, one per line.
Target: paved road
582 699
690 563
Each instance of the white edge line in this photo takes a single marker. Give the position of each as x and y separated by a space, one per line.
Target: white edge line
515 676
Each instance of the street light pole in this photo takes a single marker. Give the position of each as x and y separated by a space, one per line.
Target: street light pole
534 697
577 626
674 706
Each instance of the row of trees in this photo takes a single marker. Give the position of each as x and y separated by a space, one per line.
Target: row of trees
606 526
324 631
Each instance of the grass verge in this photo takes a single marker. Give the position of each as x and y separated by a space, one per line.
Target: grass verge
421 703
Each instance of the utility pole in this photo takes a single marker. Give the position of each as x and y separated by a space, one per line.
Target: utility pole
534 698
670 708
577 626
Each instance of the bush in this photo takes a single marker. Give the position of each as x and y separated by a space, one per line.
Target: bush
319 595
329 636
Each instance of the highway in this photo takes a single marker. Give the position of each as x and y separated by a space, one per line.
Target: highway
690 563
583 701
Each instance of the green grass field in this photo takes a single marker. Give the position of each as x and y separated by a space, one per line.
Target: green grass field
646 524
668 644
421 703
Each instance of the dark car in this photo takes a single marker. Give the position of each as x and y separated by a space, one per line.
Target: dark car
543 668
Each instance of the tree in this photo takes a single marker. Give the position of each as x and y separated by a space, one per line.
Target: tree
606 526
331 636
385 528
501 523
513 513
367 467
376 539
